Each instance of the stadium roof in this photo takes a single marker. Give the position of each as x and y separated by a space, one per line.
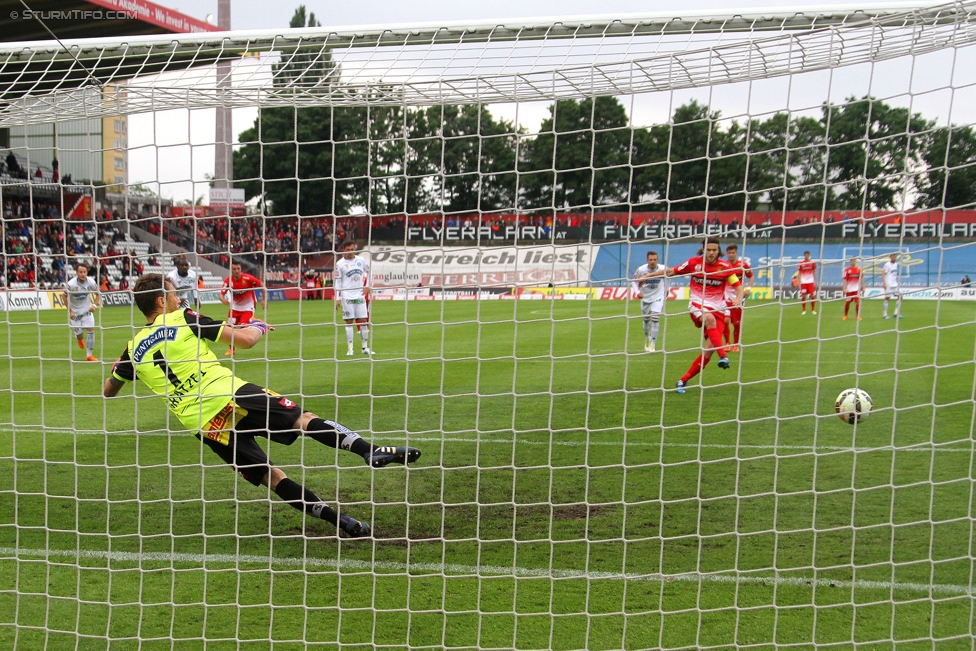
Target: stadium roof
70 19
31 70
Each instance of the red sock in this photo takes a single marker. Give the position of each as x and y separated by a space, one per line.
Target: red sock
847 307
803 302
694 369
813 304
736 338
857 307
715 338
728 333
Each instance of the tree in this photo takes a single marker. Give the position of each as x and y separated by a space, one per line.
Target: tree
872 150
694 165
305 68
581 157
950 180
470 157
787 156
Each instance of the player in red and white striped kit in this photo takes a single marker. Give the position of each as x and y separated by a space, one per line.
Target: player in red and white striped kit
744 272
237 293
853 289
808 283
709 277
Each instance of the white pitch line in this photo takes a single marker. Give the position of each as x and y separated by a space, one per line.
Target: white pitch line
912 447
476 570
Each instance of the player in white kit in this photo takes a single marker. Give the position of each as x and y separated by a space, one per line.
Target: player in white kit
81 295
652 291
351 288
185 281
889 277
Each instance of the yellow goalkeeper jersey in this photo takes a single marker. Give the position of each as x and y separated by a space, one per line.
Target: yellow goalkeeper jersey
172 358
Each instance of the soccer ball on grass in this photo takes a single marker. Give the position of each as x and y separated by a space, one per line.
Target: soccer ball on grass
853 405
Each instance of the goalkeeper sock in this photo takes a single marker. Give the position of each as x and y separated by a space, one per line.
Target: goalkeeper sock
90 344
364 334
349 333
299 497
334 435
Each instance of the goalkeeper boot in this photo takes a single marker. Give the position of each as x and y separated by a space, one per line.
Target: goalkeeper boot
353 528
386 455
723 362
681 386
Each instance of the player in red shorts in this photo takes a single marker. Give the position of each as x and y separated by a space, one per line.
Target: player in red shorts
709 277
808 282
241 288
853 289
733 325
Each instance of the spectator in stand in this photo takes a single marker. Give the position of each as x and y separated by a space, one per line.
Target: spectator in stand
965 282
13 165
55 170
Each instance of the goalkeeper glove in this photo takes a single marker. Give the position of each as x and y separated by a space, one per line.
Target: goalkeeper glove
260 325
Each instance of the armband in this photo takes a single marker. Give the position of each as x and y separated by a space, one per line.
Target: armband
260 325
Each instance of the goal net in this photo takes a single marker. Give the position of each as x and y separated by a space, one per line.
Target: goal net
568 496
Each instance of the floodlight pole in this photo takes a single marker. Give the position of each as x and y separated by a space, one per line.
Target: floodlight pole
223 152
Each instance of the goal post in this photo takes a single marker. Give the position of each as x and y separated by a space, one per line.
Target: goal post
505 183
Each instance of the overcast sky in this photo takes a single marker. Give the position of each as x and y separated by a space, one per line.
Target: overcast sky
175 147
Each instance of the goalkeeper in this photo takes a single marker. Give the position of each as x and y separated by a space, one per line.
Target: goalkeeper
171 358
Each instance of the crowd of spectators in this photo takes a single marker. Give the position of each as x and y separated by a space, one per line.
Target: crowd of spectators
274 243
38 247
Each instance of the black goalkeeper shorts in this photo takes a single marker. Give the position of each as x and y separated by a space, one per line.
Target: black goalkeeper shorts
259 413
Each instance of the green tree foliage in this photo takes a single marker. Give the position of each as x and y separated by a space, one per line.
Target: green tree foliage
305 68
306 161
695 164
469 156
951 161
581 157
872 149
786 157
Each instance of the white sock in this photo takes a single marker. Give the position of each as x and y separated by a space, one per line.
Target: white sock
655 331
364 334
349 332
90 344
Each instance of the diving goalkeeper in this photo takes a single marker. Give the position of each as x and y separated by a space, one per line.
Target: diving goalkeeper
171 357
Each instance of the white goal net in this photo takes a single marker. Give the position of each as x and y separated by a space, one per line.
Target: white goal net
587 478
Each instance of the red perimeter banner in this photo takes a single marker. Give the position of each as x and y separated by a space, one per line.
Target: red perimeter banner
154 14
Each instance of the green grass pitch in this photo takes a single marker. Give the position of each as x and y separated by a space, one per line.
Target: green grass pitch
567 498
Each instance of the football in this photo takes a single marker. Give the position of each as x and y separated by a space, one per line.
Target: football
853 405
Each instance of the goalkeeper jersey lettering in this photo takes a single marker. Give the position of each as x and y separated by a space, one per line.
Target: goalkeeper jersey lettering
172 358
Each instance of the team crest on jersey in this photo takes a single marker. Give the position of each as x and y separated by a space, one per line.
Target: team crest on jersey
286 403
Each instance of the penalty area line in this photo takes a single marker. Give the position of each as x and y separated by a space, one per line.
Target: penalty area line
205 560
